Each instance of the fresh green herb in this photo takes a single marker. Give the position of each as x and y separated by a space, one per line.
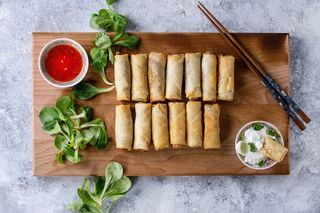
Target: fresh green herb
272 133
130 42
85 114
99 55
261 163
112 186
86 90
108 20
66 105
72 131
257 126
242 137
253 147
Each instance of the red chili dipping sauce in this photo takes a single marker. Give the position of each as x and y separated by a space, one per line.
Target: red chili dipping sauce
63 63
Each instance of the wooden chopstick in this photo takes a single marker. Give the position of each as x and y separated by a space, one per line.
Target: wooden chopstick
265 81
287 98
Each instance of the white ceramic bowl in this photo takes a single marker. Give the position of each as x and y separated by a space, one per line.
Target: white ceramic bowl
245 127
48 47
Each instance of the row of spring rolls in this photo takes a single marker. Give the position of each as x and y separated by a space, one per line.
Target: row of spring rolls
160 77
183 128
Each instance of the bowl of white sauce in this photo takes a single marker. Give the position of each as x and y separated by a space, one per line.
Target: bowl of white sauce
249 144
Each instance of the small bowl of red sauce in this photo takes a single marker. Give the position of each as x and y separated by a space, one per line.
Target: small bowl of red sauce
63 62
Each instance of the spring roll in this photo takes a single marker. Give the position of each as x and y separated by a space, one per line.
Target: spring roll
160 132
124 127
122 77
157 76
211 127
274 150
174 77
177 124
209 77
194 124
226 78
139 66
142 126
193 76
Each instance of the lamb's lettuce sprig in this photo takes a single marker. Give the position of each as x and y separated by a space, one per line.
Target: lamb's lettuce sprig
112 186
103 52
73 131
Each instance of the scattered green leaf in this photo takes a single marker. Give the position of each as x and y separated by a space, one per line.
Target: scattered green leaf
261 163
111 2
75 206
242 137
253 147
85 114
108 20
72 155
272 133
59 157
130 41
112 186
72 131
102 41
86 91
66 105
257 126
96 122
52 128
60 142
48 114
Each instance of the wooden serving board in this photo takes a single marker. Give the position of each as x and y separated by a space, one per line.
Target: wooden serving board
251 102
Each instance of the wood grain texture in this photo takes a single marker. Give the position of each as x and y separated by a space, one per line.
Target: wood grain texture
251 102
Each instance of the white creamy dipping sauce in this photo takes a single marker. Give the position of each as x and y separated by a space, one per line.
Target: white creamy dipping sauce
251 143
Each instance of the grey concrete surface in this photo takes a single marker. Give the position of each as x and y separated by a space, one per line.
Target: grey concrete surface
299 192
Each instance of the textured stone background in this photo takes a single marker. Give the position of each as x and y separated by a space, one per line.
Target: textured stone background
299 192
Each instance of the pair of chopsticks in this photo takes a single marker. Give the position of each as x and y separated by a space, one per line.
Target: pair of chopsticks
279 94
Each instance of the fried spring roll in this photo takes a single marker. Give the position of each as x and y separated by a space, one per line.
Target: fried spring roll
160 132
194 124
122 77
124 127
177 124
142 126
157 76
209 77
273 149
193 76
139 66
226 78
174 77
211 126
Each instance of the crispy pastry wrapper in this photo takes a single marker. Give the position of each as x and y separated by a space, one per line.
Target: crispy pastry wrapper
122 77
211 127
226 78
194 124
193 75
174 77
177 124
160 130
157 76
124 127
209 77
139 66
142 126
274 150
